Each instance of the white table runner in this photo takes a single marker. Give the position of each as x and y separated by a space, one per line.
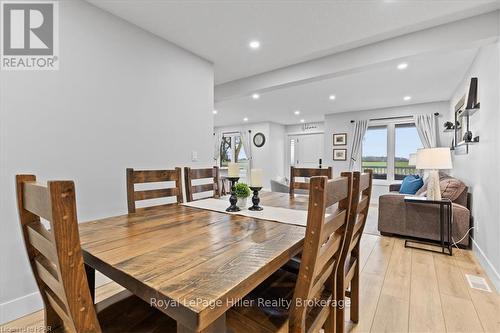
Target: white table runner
277 214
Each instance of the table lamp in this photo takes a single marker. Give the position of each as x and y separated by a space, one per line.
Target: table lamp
434 159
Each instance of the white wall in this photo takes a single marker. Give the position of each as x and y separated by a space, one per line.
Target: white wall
271 156
480 168
122 98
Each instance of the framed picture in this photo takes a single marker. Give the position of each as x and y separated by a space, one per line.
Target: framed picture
340 139
340 154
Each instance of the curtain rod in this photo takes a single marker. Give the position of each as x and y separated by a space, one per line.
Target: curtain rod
398 117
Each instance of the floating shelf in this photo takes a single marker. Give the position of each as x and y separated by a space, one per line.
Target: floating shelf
466 143
451 130
470 112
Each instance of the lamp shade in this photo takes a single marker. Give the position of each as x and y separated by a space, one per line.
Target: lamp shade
434 158
413 160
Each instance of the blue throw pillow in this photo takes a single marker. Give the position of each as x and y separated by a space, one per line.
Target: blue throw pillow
411 184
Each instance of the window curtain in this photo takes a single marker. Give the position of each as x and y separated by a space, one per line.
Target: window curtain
360 127
426 128
246 140
217 143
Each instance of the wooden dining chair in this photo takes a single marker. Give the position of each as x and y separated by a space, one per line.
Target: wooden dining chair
306 173
348 274
311 292
57 263
195 174
152 176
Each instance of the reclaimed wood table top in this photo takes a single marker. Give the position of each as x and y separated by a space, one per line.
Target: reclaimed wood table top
192 263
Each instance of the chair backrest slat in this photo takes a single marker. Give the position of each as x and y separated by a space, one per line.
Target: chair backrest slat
55 253
306 173
322 245
152 176
196 174
361 189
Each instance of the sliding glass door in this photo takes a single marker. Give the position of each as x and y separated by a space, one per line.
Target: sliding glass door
387 146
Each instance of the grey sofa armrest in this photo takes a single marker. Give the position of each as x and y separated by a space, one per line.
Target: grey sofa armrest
394 187
419 220
391 213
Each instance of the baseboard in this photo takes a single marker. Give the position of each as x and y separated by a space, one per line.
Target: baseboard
20 307
30 303
487 265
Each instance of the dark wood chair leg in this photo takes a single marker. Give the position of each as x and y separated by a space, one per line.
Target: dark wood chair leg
355 295
339 307
90 272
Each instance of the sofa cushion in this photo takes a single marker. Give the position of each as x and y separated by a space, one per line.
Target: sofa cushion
451 188
411 184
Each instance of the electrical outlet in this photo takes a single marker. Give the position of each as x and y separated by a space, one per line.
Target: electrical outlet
194 156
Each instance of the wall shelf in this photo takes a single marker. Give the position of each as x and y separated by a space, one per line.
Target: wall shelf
466 143
469 112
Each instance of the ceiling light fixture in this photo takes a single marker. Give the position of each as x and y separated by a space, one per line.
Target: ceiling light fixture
407 98
403 65
214 111
296 112
302 120
254 44
245 119
331 97
255 96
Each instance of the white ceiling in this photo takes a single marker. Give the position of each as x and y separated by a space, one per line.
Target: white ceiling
289 31
428 78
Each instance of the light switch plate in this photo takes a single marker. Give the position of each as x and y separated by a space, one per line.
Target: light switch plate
194 156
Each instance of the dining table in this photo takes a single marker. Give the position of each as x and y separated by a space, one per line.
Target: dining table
192 264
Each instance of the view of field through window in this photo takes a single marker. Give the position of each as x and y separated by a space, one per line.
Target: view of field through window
375 155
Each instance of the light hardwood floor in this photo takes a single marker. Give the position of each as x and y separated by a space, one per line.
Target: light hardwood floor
402 290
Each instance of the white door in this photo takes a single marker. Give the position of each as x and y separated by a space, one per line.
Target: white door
306 150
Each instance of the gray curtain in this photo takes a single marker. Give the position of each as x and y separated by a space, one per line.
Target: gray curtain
426 128
360 127
217 143
246 140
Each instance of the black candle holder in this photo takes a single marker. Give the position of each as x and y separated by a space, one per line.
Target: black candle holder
255 199
233 199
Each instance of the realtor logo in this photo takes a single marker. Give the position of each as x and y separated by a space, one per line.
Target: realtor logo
29 35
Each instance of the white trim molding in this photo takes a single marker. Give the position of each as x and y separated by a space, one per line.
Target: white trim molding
487 265
27 304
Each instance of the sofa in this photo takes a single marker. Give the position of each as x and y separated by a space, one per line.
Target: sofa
422 221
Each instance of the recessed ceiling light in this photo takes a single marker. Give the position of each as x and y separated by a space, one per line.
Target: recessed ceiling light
403 65
255 96
214 111
254 44
245 119
296 112
302 120
407 98
331 97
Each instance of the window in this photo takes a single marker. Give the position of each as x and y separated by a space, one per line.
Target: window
407 142
231 150
386 149
375 151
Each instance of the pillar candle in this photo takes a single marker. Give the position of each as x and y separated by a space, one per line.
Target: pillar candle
256 177
233 170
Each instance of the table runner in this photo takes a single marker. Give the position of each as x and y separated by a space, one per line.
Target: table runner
277 214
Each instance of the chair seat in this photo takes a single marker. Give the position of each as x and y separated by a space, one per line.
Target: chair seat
266 308
124 312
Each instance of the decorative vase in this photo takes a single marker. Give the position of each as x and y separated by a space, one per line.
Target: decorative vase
242 203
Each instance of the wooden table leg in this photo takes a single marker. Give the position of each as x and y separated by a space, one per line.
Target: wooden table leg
91 280
218 326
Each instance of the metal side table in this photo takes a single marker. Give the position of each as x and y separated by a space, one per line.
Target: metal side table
445 221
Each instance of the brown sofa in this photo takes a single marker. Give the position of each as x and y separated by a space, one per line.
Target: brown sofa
422 221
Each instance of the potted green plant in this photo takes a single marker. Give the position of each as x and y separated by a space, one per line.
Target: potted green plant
242 192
